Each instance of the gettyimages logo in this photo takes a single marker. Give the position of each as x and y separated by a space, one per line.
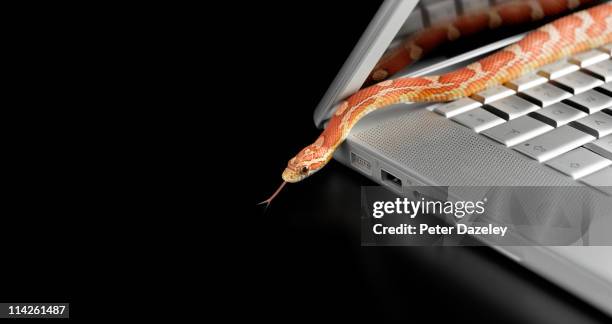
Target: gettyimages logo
412 208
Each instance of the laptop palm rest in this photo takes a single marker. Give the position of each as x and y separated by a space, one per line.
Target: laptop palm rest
432 150
422 148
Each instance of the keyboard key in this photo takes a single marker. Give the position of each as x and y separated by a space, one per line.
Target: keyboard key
601 180
577 82
545 94
602 146
512 107
478 119
601 70
457 107
589 57
605 88
579 163
597 124
590 101
558 114
517 130
493 93
525 82
557 69
606 49
554 143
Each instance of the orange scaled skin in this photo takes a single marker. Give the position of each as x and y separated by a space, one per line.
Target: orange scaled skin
564 37
507 14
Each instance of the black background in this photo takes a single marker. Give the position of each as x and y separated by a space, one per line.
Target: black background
42 166
303 258
71 199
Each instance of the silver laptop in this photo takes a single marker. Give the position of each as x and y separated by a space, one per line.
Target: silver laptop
524 133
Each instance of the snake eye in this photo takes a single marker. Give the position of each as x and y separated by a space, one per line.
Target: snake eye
304 170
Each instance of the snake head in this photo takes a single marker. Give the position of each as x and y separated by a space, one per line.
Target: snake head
308 161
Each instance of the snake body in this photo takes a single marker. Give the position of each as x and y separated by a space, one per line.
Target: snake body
563 37
507 14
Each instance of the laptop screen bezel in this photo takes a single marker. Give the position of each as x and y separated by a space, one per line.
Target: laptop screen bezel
377 37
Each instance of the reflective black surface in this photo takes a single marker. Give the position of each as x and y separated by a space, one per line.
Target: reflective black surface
311 262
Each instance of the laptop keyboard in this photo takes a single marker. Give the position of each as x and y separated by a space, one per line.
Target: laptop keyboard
560 116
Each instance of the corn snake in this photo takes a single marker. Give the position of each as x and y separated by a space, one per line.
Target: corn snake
506 14
563 37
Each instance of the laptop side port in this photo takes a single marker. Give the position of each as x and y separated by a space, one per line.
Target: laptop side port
361 163
391 180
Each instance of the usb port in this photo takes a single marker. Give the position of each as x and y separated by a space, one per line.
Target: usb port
390 179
